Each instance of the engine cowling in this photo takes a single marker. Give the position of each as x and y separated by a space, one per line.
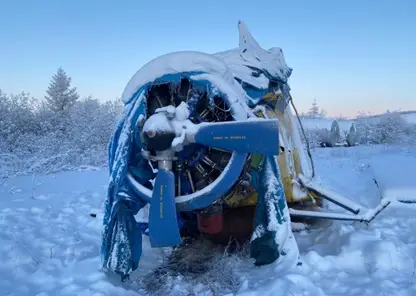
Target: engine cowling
198 132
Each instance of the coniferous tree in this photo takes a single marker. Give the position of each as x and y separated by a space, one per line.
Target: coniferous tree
60 96
315 111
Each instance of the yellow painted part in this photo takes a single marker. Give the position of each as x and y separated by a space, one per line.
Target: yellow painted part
296 161
285 176
238 198
272 97
285 127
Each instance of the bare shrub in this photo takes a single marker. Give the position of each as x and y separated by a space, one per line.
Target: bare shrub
199 263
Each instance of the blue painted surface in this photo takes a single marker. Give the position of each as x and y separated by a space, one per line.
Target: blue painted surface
144 227
121 234
266 247
255 94
163 223
259 136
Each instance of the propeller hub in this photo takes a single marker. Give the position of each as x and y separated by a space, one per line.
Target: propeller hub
158 132
167 123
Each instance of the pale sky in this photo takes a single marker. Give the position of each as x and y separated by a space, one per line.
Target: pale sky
349 55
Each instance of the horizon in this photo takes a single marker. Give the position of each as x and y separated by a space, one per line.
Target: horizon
360 53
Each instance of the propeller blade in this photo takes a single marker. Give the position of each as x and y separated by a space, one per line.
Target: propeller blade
251 136
163 223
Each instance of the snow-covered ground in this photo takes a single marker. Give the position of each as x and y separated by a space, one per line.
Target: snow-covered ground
49 242
410 117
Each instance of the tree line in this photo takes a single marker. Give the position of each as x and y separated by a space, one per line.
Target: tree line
63 131
60 131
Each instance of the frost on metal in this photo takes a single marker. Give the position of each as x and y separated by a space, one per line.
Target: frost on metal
256 68
235 95
251 54
217 75
119 250
175 63
272 218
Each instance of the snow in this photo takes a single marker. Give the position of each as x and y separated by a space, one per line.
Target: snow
333 195
50 245
410 117
250 53
371 214
399 186
284 237
174 63
298 192
272 60
157 123
175 120
182 112
234 92
272 187
236 64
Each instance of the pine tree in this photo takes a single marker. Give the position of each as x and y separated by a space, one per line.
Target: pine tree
315 111
60 96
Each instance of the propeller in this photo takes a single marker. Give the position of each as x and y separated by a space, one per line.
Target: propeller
251 136
163 223
160 132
